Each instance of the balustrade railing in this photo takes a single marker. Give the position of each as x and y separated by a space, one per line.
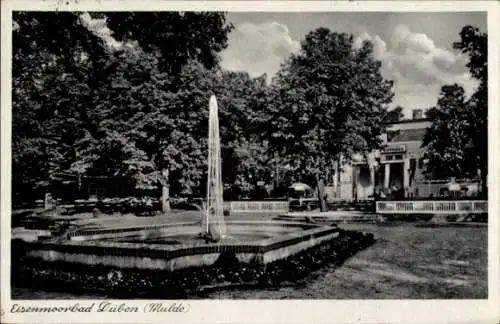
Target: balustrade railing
256 206
395 149
432 207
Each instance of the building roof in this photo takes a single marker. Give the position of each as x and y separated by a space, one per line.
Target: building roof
406 135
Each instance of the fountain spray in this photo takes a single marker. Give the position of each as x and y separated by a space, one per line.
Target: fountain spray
214 224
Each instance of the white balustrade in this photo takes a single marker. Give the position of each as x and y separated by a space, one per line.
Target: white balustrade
432 207
257 206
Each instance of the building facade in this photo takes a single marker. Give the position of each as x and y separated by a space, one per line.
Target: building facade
398 168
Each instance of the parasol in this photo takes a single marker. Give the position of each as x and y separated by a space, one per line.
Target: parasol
298 186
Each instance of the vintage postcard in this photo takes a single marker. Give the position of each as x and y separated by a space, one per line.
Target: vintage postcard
250 162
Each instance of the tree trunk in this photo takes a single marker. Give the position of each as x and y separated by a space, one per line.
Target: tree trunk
484 184
165 193
321 195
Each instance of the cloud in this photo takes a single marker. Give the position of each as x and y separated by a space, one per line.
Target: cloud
258 48
379 46
100 28
403 37
418 67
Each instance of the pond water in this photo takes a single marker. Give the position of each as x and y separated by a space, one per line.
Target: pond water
173 239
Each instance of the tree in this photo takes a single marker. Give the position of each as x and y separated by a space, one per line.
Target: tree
178 36
51 92
242 103
239 100
394 115
168 130
446 140
462 150
474 44
328 103
83 107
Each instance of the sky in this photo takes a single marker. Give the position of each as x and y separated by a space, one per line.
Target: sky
416 49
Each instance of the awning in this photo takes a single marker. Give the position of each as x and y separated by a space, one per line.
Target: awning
298 186
453 186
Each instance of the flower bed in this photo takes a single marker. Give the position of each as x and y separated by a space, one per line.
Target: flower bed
135 283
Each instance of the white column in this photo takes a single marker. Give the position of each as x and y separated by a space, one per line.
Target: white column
387 175
335 179
354 182
406 175
371 167
48 202
372 179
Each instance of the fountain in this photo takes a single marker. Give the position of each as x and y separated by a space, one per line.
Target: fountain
214 224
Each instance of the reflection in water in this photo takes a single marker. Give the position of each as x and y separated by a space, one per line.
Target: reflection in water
170 239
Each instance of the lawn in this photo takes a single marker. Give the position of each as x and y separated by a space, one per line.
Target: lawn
406 262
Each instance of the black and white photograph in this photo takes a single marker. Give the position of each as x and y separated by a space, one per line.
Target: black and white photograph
187 155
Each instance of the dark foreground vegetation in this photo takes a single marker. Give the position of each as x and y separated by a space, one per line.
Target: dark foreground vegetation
187 283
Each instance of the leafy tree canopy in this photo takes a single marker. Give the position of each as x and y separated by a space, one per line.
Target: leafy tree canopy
457 141
394 115
177 36
446 139
328 102
83 107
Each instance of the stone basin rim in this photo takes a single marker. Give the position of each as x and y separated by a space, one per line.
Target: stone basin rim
87 232
313 231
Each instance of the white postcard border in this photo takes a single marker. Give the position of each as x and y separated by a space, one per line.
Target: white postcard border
266 311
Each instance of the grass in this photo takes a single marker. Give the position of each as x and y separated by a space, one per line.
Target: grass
407 262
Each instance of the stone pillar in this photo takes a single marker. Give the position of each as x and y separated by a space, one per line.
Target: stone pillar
372 178
355 182
321 195
339 180
406 175
335 179
48 202
387 175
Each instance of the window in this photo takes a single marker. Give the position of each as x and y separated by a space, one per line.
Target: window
392 134
398 157
388 157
